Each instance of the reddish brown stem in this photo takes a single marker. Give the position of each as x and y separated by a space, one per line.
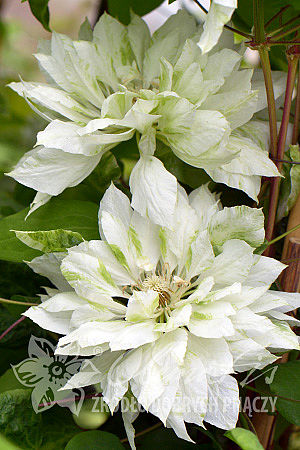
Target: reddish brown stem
11 327
280 12
275 183
297 113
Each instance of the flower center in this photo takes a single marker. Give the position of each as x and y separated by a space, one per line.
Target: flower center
161 285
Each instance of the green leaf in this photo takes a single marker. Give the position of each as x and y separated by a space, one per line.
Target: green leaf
40 10
121 10
77 216
9 382
244 438
6 444
286 384
50 430
91 440
50 241
18 421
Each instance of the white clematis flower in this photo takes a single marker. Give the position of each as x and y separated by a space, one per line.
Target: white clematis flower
169 315
125 82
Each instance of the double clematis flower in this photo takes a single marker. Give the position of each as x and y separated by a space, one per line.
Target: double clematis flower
167 316
123 82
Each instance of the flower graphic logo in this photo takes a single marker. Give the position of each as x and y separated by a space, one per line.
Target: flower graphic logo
46 373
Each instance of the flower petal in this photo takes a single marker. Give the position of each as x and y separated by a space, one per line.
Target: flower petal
219 14
51 171
154 190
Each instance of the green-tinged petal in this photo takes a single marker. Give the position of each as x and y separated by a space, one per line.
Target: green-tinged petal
93 271
248 354
139 38
117 105
264 271
235 100
258 84
180 233
251 160
205 203
247 183
156 384
282 337
233 264
200 293
200 256
223 402
55 314
167 42
39 200
115 216
215 355
111 35
211 320
221 64
49 241
144 237
189 405
219 14
51 171
69 67
269 301
93 370
238 222
179 317
49 266
207 327
154 190
55 101
196 137
115 385
65 136
90 313
120 335
142 305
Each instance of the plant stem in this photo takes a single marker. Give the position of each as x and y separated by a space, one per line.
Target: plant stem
258 16
285 33
278 30
11 327
284 234
259 36
283 43
280 12
297 113
266 67
15 302
275 184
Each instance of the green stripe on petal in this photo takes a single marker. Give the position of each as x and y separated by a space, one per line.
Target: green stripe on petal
119 255
105 274
163 242
135 240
